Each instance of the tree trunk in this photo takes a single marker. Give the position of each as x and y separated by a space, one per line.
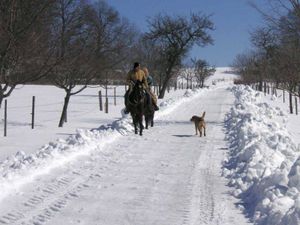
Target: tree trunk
163 90
160 82
260 85
5 92
1 100
1 95
64 111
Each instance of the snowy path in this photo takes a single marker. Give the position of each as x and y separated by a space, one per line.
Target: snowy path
167 177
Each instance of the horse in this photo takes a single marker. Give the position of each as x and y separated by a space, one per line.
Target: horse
149 113
136 106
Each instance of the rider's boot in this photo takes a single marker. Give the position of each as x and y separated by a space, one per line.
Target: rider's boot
126 111
156 108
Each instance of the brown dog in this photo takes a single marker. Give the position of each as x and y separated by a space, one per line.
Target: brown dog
199 124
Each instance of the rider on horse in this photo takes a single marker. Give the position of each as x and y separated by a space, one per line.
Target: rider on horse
136 74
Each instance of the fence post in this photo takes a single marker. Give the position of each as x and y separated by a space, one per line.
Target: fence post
5 117
106 105
296 105
106 99
115 97
100 101
106 90
33 112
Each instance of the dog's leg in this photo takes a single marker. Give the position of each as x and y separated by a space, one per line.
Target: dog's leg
200 130
204 128
196 128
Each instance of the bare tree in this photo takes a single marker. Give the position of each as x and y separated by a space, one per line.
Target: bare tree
92 41
72 52
187 74
202 71
111 37
248 65
25 52
176 36
276 55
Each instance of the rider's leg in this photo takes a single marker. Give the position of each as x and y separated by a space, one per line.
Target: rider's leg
154 100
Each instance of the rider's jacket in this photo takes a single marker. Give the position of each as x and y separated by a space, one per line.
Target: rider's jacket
133 75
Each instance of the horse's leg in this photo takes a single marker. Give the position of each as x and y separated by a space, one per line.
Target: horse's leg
140 120
135 124
141 126
152 120
147 121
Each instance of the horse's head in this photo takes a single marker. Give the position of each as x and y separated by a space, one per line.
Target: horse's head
138 92
138 88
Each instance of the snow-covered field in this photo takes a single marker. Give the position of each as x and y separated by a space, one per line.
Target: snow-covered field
94 170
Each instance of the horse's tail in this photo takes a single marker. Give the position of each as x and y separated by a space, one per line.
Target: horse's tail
203 114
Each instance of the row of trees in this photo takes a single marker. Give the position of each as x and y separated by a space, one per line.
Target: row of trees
195 73
73 43
276 49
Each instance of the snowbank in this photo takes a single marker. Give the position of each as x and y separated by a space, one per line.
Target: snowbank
171 104
21 168
262 163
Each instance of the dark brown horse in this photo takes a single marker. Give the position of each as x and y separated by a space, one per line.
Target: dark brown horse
149 112
136 106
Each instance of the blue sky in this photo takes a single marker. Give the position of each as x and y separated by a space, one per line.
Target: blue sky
233 20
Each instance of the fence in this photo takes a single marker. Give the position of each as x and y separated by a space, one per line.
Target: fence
270 89
32 111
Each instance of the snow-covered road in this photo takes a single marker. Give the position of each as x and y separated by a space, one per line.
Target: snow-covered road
167 177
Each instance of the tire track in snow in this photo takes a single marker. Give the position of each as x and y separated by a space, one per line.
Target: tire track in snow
53 194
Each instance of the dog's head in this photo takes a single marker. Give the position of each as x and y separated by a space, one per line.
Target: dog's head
193 118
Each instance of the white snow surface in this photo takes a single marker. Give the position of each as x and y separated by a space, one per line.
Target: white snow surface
108 175
263 163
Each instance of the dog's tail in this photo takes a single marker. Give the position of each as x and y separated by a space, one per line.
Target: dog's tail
203 114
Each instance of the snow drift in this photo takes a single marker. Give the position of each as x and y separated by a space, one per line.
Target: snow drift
263 163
